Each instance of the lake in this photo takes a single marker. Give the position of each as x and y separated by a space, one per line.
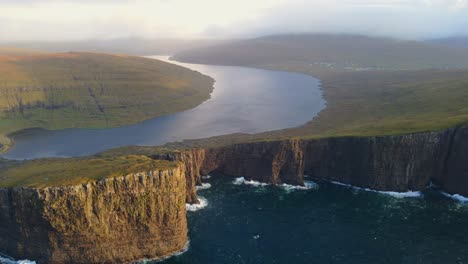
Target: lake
244 100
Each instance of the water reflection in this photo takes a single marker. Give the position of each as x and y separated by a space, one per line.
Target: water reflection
244 100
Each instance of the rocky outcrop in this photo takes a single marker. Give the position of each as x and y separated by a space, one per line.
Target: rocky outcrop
388 163
115 220
142 215
391 163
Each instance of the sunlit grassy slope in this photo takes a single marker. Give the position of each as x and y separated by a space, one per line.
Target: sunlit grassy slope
409 87
89 90
74 171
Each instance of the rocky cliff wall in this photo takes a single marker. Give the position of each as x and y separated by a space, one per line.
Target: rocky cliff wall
387 163
116 220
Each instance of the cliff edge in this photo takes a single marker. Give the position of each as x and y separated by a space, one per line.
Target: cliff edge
121 219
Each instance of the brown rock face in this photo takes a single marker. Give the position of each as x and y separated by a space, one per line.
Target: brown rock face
387 163
390 163
115 220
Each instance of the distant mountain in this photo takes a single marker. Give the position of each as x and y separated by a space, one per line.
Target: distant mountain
330 51
132 46
455 42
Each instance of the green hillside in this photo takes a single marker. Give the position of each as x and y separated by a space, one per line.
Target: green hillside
331 52
89 90
406 97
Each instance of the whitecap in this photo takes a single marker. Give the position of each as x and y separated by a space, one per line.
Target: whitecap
195 207
408 194
178 253
308 185
203 186
457 197
206 177
6 260
242 180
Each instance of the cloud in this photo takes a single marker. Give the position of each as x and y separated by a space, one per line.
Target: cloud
409 19
69 20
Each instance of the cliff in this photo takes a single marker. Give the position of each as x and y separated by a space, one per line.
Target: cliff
115 220
387 163
142 215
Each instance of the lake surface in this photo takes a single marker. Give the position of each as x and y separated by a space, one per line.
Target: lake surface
331 224
244 100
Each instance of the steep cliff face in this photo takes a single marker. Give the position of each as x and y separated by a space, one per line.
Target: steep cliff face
274 162
391 163
454 178
387 163
116 220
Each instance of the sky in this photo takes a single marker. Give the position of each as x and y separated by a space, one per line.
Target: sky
23 20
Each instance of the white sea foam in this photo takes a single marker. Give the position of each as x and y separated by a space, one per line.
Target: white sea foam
242 180
457 197
195 207
204 186
178 253
206 177
408 194
5 260
308 185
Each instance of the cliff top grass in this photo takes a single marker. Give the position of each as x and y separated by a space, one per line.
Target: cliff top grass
74 171
90 90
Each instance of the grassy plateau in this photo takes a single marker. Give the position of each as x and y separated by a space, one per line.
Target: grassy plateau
372 87
90 90
73 171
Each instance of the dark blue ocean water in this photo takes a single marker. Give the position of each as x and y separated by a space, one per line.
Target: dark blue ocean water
331 224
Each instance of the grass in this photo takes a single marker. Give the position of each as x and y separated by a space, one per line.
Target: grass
389 103
406 86
89 90
331 52
74 171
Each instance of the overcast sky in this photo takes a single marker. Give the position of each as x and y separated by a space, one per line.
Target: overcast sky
102 19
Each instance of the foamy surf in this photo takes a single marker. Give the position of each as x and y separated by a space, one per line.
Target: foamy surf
409 194
206 177
195 207
457 197
178 253
242 180
308 185
204 186
6 260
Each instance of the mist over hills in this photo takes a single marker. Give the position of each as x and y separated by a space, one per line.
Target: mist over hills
130 46
333 52
454 42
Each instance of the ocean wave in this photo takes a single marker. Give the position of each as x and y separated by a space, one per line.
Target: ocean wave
204 186
178 253
206 177
409 194
195 207
457 197
308 185
242 180
6 260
